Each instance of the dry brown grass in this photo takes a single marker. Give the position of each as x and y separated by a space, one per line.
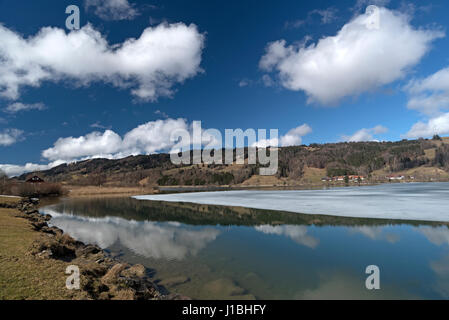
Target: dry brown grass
257 180
22 275
91 191
9 200
313 175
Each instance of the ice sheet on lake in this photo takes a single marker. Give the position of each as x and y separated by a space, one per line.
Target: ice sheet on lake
416 201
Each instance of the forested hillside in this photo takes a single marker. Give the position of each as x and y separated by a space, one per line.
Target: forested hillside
422 160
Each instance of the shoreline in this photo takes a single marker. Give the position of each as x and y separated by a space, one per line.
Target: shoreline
99 192
381 201
102 277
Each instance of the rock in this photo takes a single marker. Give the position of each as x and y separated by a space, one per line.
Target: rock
89 249
104 296
225 289
136 270
31 212
175 296
113 274
39 225
126 294
175 281
45 254
94 270
52 231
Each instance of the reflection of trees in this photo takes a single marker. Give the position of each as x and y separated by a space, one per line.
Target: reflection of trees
199 214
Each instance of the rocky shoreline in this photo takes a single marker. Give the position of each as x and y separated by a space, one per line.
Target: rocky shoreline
101 276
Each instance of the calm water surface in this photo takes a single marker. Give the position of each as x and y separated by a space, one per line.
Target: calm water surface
206 251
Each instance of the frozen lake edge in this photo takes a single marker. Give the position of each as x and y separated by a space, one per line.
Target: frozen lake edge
411 201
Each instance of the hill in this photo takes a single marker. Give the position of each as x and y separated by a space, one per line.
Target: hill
419 160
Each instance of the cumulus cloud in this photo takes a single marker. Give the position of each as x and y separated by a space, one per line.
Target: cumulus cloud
437 125
358 59
291 138
18 107
10 136
294 136
13 170
365 134
147 138
361 5
149 66
430 97
113 9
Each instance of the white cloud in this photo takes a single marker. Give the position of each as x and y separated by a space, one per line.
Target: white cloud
327 16
10 136
148 138
267 81
429 95
149 66
361 5
438 236
291 138
13 170
244 83
294 136
437 125
358 59
296 233
148 239
18 106
365 134
113 9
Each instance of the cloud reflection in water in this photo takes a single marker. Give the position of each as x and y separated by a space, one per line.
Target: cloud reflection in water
171 241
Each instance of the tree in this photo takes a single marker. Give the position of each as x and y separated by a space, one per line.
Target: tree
3 182
436 137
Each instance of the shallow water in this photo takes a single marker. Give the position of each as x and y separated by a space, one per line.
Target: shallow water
206 251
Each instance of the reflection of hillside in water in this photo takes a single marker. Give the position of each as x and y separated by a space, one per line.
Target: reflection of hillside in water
199 214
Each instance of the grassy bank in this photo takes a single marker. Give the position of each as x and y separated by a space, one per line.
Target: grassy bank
34 257
22 275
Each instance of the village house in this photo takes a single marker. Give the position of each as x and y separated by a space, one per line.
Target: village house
35 179
351 178
395 177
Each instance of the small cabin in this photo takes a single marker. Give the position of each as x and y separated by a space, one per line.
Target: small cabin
35 179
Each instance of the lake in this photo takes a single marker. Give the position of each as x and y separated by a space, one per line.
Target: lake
208 251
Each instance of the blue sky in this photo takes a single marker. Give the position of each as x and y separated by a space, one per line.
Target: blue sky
228 87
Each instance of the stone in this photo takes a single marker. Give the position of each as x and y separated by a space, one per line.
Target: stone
113 274
174 281
136 270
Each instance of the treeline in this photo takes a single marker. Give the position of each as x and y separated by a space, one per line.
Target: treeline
29 190
338 159
360 158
